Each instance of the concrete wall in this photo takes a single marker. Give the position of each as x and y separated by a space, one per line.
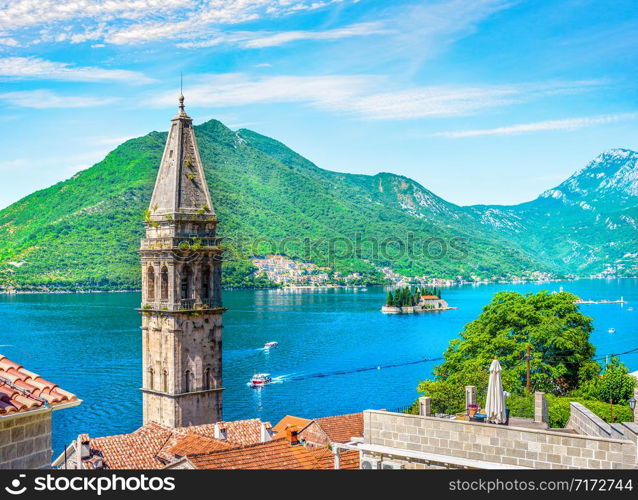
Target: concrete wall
584 421
543 449
25 441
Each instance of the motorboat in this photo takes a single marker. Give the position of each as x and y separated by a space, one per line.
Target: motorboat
268 345
260 379
612 330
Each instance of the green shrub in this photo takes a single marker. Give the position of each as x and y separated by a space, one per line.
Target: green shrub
559 410
521 406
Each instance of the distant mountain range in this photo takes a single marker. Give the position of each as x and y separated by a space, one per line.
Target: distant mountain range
83 233
587 223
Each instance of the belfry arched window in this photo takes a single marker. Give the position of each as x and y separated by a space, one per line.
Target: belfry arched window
205 282
207 379
164 283
165 381
187 381
185 285
151 376
150 283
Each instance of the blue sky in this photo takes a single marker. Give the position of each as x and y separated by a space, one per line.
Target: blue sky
481 101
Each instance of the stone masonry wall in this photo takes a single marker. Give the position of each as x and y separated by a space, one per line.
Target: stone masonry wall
584 421
314 435
25 441
542 449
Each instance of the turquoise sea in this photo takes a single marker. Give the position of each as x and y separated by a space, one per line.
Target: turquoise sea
337 353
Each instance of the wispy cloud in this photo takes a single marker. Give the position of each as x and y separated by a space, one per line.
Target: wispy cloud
566 124
139 21
44 99
363 96
36 68
261 39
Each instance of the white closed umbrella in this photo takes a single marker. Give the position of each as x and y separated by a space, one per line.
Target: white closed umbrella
495 403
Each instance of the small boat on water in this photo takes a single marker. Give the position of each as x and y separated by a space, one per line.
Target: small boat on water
268 345
612 330
260 379
630 308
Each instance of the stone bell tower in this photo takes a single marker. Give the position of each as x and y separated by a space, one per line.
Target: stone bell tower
181 290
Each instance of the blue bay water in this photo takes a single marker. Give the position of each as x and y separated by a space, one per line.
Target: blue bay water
337 353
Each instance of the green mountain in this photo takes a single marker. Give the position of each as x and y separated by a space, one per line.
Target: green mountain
585 225
83 233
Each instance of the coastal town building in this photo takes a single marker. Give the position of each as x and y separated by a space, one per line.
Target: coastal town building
154 446
181 290
321 432
242 444
281 453
433 302
288 272
26 404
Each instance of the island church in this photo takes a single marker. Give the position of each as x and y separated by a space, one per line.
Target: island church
181 290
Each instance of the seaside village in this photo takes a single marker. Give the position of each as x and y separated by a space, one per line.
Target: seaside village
183 425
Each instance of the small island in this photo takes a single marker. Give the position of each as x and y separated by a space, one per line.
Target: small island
406 301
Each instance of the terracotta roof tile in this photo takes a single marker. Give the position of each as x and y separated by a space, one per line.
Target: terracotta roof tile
152 446
288 421
22 390
275 454
194 444
348 460
341 428
244 432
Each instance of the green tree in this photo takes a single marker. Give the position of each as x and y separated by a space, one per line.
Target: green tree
614 384
390 299
558 334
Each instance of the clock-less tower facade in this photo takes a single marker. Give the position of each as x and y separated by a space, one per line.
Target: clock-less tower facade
181 290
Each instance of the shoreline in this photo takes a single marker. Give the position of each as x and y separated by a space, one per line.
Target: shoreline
320 287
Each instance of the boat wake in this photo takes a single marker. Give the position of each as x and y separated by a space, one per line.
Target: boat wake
294 377
360 370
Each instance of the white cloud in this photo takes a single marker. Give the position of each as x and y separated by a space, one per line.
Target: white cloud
138 21
43 99
36 68
9 42
363 96
259 39
235 89
566 124
26 13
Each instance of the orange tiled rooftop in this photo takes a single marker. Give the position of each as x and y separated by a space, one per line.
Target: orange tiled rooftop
275 454
152 446
22 390
342 428
290 421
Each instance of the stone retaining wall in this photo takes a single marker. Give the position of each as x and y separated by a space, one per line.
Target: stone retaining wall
25 441
541 449
584 421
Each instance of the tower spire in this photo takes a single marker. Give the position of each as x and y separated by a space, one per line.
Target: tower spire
181 95
181 283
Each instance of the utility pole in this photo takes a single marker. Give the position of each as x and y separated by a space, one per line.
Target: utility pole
611 410
528 385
